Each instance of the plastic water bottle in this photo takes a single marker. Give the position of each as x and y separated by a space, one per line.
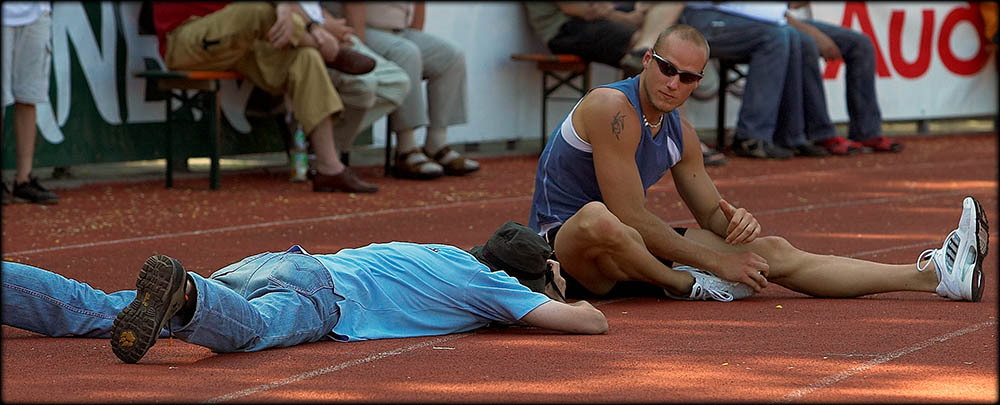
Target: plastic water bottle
300 158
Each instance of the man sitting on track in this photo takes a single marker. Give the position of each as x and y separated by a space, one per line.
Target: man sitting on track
621 138
283 299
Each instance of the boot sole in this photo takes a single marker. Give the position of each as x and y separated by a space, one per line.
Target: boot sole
137 327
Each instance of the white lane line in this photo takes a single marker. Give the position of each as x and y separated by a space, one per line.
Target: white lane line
867 170
901 247
341 366
355 362
268 224
799 208
885 358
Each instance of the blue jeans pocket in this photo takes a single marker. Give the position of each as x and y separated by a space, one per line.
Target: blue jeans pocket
308 277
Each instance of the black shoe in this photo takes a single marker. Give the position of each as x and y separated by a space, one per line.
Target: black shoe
809 149
6 194
756 148
159 296
34 193
712 157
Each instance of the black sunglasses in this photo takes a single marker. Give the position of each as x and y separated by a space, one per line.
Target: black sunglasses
668 69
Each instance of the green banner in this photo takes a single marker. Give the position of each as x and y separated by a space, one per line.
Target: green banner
100 112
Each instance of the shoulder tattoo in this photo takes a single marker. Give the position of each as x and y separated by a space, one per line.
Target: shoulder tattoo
618 124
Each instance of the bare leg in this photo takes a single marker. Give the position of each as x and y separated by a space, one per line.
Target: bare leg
825 275
327 158
599 250
658 18
25 132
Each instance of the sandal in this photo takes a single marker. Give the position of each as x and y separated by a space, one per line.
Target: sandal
416 165
713 157
454 163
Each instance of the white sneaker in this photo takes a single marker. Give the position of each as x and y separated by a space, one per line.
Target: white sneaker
708 286
959 261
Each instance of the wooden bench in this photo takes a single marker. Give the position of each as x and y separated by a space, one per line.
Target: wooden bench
564 69
206 99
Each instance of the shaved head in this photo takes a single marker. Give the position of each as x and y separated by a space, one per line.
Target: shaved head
684 32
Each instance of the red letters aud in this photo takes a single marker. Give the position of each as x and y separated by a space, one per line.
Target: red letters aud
916 68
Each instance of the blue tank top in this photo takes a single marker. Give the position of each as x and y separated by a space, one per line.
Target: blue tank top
565 179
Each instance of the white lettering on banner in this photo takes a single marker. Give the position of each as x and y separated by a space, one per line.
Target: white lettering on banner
70 25
138 48
69 22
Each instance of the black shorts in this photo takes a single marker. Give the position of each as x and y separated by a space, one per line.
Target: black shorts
598 40
621 289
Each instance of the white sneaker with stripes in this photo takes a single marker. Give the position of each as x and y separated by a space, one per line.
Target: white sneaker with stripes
959 261
708 286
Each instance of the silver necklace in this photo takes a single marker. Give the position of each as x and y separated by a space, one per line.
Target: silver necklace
652 126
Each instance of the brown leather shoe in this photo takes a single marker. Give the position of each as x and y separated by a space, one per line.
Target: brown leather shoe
346 181
352 62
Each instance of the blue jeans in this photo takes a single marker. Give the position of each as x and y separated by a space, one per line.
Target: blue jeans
264 301
804 116
768 47
859 82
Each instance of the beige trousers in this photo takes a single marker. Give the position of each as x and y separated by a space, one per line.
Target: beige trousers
235 38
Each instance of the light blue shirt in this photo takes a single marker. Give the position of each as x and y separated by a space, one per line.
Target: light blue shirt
401 289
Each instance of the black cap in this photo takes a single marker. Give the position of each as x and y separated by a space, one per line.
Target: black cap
519 252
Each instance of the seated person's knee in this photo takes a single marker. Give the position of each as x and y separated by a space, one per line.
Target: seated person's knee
775 244
599 224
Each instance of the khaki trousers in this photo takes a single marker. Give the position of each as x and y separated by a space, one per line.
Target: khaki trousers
235 38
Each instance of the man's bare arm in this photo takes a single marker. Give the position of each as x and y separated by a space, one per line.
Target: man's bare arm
578 317
609 123
355 12
586 10
827 48
285 31
736 225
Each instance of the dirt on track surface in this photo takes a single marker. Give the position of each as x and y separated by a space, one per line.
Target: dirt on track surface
776 346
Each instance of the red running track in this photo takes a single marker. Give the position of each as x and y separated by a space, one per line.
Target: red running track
898 347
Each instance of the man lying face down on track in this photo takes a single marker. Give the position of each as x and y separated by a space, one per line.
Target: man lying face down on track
386 290
620 139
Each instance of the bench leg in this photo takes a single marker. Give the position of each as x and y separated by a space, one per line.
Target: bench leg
388 148
168 150
213 118
720 118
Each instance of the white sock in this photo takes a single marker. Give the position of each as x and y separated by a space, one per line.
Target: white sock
406 140
437 138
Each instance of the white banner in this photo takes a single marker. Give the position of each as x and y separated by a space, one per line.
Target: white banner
932 62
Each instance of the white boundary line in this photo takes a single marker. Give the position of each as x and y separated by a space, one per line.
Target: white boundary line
341 366
885 358
266 225
799 208
350 363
